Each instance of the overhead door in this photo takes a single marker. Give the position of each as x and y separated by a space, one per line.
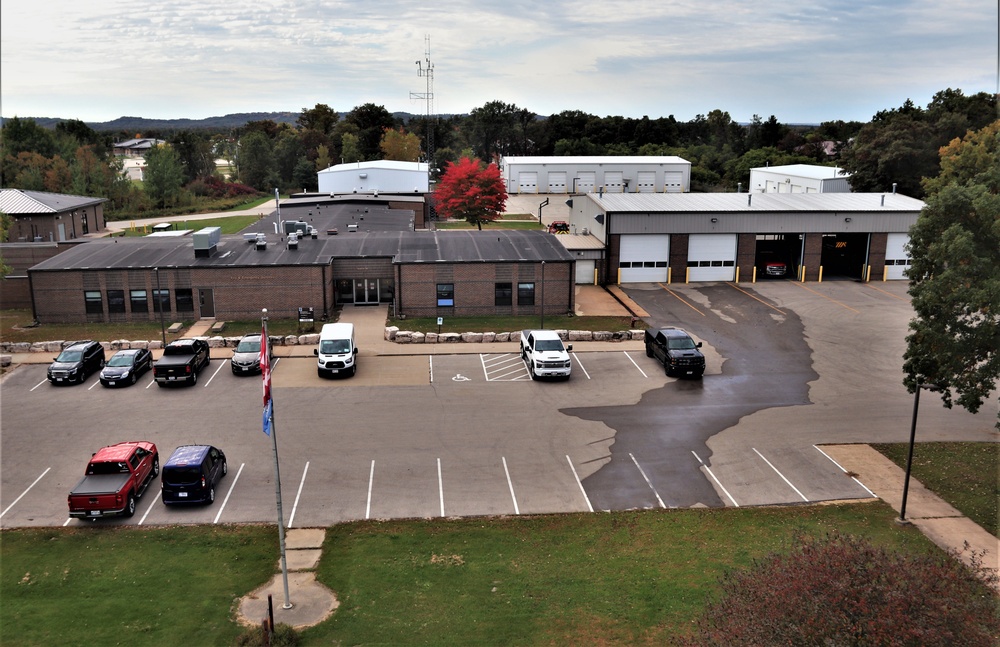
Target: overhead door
673 182
527 182
612 181
643 258
557 181
585 272
712 257
646 182
897 259
586 181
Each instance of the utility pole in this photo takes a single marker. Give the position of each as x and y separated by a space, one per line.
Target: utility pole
427 96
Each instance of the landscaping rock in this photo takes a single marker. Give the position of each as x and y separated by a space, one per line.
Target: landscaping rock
309 340
449 338
581 335
417 337
292 340
503 336
138 344
404 337
489 337
431 338
472 337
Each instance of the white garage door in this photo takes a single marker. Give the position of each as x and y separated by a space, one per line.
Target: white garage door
557 181
585 182
712 257
612 181
585 272
527 182
673 182
897 260
646 182
643 258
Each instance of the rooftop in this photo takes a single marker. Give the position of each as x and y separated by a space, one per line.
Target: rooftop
756 202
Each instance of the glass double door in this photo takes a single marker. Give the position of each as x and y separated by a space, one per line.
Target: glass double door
366 291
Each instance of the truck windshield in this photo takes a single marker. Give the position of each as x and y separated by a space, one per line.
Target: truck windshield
107 467
335 346
548 344
682 343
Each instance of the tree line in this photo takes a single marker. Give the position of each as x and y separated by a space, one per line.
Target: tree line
899 146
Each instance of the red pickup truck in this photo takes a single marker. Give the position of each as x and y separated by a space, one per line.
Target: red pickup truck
116 476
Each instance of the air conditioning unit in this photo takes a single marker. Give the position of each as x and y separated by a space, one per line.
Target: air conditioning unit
585 231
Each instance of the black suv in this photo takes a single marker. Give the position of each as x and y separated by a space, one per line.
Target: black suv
678 352
76 362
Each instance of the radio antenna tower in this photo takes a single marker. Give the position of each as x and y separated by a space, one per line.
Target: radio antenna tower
428 97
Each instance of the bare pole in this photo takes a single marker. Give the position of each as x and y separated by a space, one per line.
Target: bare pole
427 96
277 471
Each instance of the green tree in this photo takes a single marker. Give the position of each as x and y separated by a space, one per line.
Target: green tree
371 121
256 161
323 160
954 341
5 224
400 146
163 177
194 149
350 149
322 118
471 192
304 175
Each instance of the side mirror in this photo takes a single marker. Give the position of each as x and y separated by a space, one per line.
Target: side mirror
316 352
569 348
698 345
355 351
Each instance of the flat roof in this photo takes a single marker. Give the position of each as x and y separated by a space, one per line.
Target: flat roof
754 202
234 251
811 171
595 159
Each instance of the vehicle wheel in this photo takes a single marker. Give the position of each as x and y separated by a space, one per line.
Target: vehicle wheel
354 369
211 495
135 378
666 370
156 465
225 468
531 370
130 505
160 384
649 350
194 378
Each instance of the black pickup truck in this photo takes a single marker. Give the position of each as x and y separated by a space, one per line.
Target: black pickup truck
677 351
181 361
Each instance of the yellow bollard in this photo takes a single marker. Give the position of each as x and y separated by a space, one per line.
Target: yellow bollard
885 273
754 274
820 278
669 269
687 275
737 273
595 276
619 276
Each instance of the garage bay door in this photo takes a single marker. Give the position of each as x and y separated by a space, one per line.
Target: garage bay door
712 257
897 260
585 272
612 181
585 181
673 182
646 182
527 182
557 181
643 258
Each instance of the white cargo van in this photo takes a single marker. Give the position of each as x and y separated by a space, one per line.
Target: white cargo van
337 353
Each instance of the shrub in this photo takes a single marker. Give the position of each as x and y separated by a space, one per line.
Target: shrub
845 591
283 636
213 186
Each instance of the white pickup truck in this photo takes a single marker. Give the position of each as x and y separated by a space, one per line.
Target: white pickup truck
545 354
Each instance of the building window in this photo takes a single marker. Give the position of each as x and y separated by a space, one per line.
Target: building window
93 302
184 299
503 294
116 300
85 224
525 294
445 295
139 301
161 300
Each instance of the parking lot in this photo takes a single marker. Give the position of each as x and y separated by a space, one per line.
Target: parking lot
790 367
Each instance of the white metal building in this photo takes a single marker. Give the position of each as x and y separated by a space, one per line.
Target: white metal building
387 176
599 174
799 178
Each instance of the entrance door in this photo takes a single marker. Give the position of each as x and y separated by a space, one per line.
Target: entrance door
207 300
365 291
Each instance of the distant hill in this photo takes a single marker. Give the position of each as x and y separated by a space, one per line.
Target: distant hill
226 122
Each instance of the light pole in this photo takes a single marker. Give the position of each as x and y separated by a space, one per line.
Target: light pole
902 520
159 304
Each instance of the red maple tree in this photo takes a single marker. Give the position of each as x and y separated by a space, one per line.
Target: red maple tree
470 192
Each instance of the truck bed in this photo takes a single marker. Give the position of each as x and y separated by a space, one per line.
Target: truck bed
100 484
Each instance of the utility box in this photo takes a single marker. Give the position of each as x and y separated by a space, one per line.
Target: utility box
206 241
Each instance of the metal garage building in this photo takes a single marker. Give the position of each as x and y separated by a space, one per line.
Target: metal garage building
600 174
799 178
384 176
733 236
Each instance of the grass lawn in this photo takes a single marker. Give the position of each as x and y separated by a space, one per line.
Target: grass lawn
228 224
963 474
511 324
609 579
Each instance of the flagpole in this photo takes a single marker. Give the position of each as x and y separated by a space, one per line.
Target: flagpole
269 412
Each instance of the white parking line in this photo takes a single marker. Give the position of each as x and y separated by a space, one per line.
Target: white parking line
780 474
371 478
510 485
226 500
648 482
298 494
89 388
151 504
440 487
151 383
577 358
222 365
634 364
717 482
26 491
35 387
578 482
841 469
430 364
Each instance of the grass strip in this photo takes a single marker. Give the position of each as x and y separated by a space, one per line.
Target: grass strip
511 324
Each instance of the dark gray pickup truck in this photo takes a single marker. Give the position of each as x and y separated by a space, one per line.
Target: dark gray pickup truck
677 351
181 361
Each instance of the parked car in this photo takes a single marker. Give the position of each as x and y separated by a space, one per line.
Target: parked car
115 477
677 351
76 362
181 361
246 358
126 366
191 474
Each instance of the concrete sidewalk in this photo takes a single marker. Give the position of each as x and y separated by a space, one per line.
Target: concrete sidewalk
939 521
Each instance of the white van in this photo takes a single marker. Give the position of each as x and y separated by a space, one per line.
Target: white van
337 353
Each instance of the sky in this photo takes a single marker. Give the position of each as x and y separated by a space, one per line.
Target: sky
803 61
